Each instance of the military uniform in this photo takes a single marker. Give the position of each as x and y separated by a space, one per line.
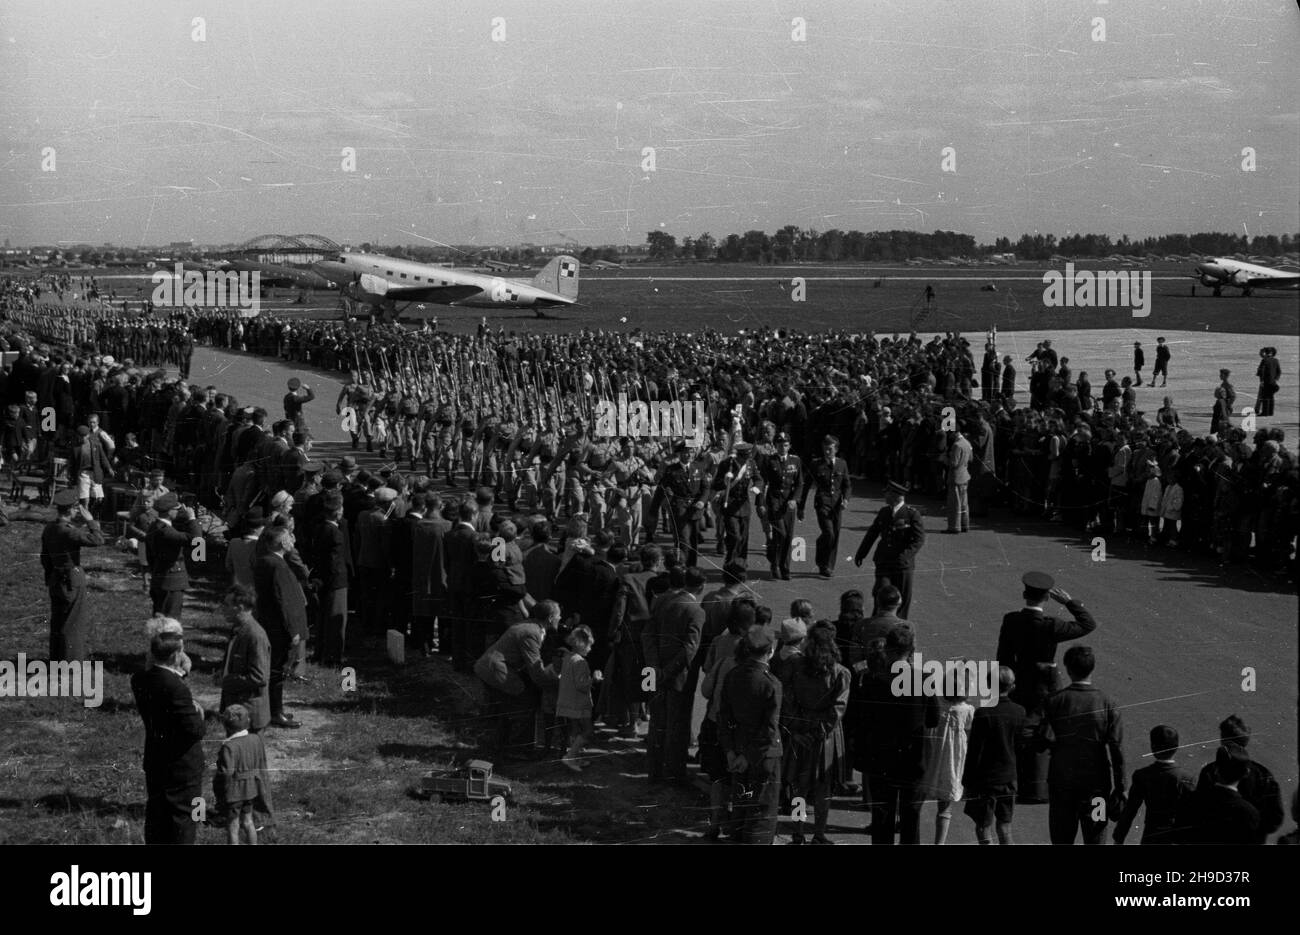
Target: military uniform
733 481
782 479
831 478
901 535
61 543
685 493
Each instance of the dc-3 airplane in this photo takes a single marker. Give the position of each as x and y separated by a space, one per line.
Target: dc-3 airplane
1221 271
384 281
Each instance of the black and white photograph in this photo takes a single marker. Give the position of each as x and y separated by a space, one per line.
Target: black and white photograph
497 422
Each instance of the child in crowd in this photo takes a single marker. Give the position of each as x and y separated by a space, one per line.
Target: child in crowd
240 781
574 703
990 778
945 758
1152 495
1163 787
1171 510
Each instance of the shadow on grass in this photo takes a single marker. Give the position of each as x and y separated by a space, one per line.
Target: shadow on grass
68 803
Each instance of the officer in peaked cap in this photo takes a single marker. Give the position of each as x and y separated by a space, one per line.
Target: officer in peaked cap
685 495
733 480
901 534
830 475
1027 645
62 540
782 477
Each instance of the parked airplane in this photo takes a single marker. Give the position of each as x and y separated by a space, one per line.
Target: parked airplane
500 266
383 281
606 264
1223 271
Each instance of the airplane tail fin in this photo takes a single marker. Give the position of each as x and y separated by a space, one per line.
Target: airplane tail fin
559 276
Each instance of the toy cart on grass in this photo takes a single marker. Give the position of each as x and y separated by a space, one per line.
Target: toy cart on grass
472 782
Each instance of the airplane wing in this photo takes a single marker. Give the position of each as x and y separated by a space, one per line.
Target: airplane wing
1279 279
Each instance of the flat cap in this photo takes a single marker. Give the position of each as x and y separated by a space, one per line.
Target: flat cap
385 494
1038 581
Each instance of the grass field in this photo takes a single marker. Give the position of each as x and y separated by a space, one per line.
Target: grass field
72 774
732 297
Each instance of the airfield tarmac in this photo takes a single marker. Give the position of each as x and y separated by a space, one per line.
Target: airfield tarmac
1175 632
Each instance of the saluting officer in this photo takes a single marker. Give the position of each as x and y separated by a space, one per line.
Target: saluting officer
782 477
166 544
831 477
62 540
685 494
901 534
733 480
1027 645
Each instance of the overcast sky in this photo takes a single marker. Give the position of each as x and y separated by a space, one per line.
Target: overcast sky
540 137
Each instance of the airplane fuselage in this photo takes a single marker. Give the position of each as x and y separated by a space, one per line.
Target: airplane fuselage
376 278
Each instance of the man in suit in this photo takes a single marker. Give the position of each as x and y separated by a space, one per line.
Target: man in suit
332 567
62 540
959 458
670 641
1219 812
400 554
1027 645
428 574
901 534
462 556
541 564
1087 744
830 475
167 544
246 675
1257 786
173 744
597 594
374 560
282 610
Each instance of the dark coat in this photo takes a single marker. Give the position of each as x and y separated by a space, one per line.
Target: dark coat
246 677
428 566
281 605
173 727
166 546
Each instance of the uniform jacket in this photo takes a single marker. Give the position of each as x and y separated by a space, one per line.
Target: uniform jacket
61 545
166 546
1027 644
832 481
901 537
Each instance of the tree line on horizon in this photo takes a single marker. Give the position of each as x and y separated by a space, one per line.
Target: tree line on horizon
794 244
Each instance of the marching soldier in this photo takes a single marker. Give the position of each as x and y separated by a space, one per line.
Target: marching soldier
685 495
782 479
830 475
901 534
358 398
733 480
62 540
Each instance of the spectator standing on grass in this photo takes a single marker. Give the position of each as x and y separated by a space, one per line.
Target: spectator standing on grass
574 702
173 744
246 673
1139 361
240 782
282 610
